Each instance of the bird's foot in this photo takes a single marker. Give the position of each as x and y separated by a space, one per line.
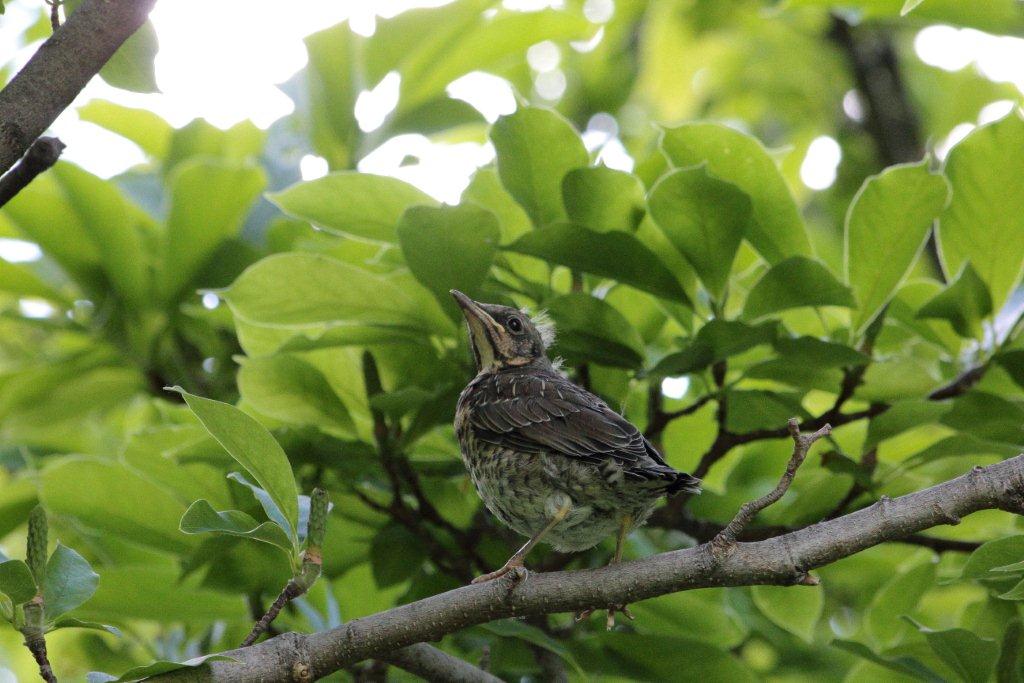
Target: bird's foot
514 566
612 609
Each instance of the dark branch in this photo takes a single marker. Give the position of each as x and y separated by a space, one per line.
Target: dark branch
43 154
62 66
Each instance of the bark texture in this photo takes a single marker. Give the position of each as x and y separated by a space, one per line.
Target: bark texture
782 560
60 68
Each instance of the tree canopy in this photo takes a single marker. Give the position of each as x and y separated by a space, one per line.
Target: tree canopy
735 213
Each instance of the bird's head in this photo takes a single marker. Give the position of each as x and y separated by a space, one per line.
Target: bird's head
502 336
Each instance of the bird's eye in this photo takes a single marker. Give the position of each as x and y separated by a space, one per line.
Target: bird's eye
515 324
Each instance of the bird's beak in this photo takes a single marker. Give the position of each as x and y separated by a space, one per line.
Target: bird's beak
483 329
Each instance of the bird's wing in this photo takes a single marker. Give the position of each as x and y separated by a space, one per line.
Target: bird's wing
548 413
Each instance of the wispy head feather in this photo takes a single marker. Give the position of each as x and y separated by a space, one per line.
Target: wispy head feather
545 325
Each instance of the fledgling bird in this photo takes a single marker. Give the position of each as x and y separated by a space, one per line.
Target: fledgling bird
550 459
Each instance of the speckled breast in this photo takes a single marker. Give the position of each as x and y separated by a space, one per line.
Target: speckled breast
524 489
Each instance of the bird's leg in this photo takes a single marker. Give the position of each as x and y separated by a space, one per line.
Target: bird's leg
620 542
517 558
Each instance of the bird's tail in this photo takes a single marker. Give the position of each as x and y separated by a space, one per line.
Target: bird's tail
684 483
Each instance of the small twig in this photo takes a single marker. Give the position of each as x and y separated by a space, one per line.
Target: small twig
290 592
54 14
309 570
257 611
660 418
960 385
801 445
43 154
37 646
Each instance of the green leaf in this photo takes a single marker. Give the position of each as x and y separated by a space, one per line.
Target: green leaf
777 231
1015 593
591 330
140 673
793 283
716 341
895 599
197 141
16 581
68 583
449 247
512 628
535 149
488 42
141 126
794 608
998 553
332 82
907 666
616 255
42 212
273 510
159 593
21 281
1015 567
71 622
987 15
903 415
254 448
349 203
705 219
819 353
113 224
959 445
1013 362
201 518
108 497
297 290
984 223
653 657
909 6
971 657
391 567
289 389
1010 667
886 226
209 201
964 303
131 67
603 199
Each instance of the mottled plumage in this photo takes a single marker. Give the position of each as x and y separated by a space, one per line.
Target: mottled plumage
543 452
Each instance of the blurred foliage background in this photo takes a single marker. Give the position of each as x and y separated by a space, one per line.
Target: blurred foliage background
316 302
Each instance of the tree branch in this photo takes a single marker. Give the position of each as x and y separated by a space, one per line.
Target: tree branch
783 560
43 154
61 67
726 538
432 664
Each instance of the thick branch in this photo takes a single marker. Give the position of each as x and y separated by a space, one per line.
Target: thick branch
703 530
43 154
782 560
60 69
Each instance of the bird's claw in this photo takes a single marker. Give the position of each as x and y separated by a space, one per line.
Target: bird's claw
516 571
612 609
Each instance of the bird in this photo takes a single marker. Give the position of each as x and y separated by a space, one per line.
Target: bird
548 458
